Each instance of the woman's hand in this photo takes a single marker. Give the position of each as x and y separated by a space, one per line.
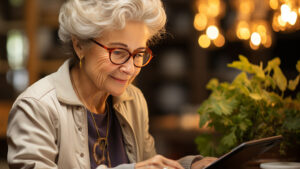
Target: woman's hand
203 162
158 162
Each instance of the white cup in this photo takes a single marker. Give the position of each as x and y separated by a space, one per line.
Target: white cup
280 165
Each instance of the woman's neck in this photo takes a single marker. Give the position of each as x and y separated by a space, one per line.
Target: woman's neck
93 99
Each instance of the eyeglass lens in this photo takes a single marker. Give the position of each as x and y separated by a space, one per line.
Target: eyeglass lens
120 56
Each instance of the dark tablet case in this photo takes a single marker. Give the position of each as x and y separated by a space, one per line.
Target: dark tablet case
240 155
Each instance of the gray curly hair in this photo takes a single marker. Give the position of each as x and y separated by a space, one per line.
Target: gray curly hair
87 19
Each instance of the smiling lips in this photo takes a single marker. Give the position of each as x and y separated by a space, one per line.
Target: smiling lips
120 80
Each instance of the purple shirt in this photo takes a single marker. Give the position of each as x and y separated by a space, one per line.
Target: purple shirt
116 150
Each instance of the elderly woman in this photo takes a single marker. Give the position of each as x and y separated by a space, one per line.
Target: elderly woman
88 114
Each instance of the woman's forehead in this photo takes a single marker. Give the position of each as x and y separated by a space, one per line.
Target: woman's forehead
137 31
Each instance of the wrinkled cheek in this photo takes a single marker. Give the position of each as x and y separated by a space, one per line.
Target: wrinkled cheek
99 71
100 80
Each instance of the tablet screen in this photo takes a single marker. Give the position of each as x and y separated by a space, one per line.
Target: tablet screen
245 152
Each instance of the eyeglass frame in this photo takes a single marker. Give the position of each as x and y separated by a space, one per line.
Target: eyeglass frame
133 54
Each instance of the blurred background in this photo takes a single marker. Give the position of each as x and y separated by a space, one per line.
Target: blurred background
203 37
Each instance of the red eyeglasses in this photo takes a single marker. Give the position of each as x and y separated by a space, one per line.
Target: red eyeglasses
119 56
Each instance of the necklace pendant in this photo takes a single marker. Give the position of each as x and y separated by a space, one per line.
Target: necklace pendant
100 147
100 144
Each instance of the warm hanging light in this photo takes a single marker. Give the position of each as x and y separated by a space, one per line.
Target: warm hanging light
200 21
243 31
293 18
219 41
285 18
212 32
213 8
245 7
207 20
204 41
255 39
285 9
285 12
274 4
252 46
251 22
281 21
268 42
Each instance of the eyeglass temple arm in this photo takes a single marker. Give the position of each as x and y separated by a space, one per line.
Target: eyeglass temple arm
100 44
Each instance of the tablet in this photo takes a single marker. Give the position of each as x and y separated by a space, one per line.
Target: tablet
245 152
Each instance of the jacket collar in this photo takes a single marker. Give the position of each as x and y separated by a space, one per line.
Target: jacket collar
65 91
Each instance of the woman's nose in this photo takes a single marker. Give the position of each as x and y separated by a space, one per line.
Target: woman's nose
128 67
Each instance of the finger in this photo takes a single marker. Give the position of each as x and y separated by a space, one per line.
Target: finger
171 163
203 162
209 160
163 162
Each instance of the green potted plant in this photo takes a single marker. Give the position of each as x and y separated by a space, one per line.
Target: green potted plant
254 105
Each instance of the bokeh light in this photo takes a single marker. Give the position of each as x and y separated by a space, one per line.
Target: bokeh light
212 32
255 39
204 41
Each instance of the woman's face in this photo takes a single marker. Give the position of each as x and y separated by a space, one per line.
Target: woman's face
103 74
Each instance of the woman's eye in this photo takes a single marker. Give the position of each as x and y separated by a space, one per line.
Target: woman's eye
120 53
116 52
138 55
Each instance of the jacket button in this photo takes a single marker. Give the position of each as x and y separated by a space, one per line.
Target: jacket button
80 129
81 154
123 125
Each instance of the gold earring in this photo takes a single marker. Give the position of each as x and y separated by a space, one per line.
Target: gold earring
80 63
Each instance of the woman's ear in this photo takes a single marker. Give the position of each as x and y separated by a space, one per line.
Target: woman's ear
77 47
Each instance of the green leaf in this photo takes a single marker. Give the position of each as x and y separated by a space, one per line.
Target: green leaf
239 65
229 140
298 66
241 79
246 66
258 71
280 79
255 96
226 121
269 81
248 123
243 126
243 64
272 64
212 84
243 59
293 83
205 145
241 82
204 118
221 105
271 98
292 124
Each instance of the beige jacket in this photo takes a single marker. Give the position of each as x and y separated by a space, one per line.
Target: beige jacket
47 126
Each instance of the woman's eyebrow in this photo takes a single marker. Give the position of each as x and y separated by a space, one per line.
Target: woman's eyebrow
123 44
119 44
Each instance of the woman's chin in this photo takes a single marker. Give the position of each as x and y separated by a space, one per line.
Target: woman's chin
117 92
